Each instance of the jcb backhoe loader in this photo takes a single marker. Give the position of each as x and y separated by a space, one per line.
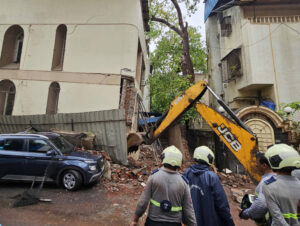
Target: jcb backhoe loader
236 136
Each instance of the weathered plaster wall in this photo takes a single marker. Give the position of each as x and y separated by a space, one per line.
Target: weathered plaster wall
97 31
214 55
102 38
31 97
270 53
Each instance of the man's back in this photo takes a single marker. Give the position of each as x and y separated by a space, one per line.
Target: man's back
167 185
283 198
209 199
296 173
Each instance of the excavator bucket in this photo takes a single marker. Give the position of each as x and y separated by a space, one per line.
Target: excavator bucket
240 142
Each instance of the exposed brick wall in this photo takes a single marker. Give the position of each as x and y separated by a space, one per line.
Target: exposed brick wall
128 101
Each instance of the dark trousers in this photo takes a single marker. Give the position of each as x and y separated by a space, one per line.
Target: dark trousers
150 222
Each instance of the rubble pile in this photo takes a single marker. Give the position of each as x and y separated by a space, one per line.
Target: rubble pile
234 180
238 194
239 184
135 175
133 178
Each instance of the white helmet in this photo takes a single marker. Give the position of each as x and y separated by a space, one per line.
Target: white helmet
172 156
205 154
283 156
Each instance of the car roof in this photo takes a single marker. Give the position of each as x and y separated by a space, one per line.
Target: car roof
45 135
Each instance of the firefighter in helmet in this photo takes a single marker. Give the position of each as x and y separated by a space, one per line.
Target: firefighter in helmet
282 192
208 196
168 194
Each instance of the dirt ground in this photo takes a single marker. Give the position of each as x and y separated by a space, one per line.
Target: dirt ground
95 205
111 202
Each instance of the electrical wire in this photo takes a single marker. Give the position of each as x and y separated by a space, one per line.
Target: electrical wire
252 44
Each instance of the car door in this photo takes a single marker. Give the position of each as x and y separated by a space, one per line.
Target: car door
12 158
37 160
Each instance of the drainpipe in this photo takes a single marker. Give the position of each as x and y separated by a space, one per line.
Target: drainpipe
275 72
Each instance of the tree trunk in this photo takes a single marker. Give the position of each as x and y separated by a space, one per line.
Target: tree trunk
182 31
187 65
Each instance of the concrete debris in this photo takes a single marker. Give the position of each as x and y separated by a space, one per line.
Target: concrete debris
227 171
238 194
135 174
136 171
106 156
107 170
134 163
239 184
234 180
133 177
134 155
88 141
85 140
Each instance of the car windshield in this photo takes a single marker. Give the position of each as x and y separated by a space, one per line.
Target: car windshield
62 144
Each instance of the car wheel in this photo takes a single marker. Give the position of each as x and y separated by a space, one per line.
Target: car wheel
71 180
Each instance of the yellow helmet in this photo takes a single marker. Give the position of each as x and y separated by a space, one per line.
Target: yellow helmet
205 154
282 156
172 156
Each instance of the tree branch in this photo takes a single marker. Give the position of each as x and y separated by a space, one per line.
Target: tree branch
160 20
180 19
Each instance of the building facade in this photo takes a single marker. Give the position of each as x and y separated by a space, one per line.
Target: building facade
67 56
253 51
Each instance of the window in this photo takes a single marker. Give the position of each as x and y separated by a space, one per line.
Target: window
7 97
232 66
40 146
12 48
59 48
226 27
53 96
12 145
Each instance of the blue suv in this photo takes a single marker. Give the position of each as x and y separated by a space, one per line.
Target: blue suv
48 157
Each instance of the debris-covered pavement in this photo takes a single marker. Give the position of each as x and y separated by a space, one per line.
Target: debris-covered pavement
111 202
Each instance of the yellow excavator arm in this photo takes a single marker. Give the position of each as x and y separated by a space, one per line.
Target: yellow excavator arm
239 141
179 106
235 135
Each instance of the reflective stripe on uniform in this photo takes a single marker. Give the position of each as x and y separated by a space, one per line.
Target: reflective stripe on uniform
173 208
291 215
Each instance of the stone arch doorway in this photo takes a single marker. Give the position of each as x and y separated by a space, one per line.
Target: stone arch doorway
264 132
266 123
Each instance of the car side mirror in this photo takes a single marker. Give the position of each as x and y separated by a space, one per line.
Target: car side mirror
51 153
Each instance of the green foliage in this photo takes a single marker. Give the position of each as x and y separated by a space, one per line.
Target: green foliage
294 105
166 80
164 88
166 57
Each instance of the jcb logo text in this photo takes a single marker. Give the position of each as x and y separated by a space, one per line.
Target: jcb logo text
229 137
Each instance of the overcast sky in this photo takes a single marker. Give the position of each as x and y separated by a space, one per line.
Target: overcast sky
196 20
